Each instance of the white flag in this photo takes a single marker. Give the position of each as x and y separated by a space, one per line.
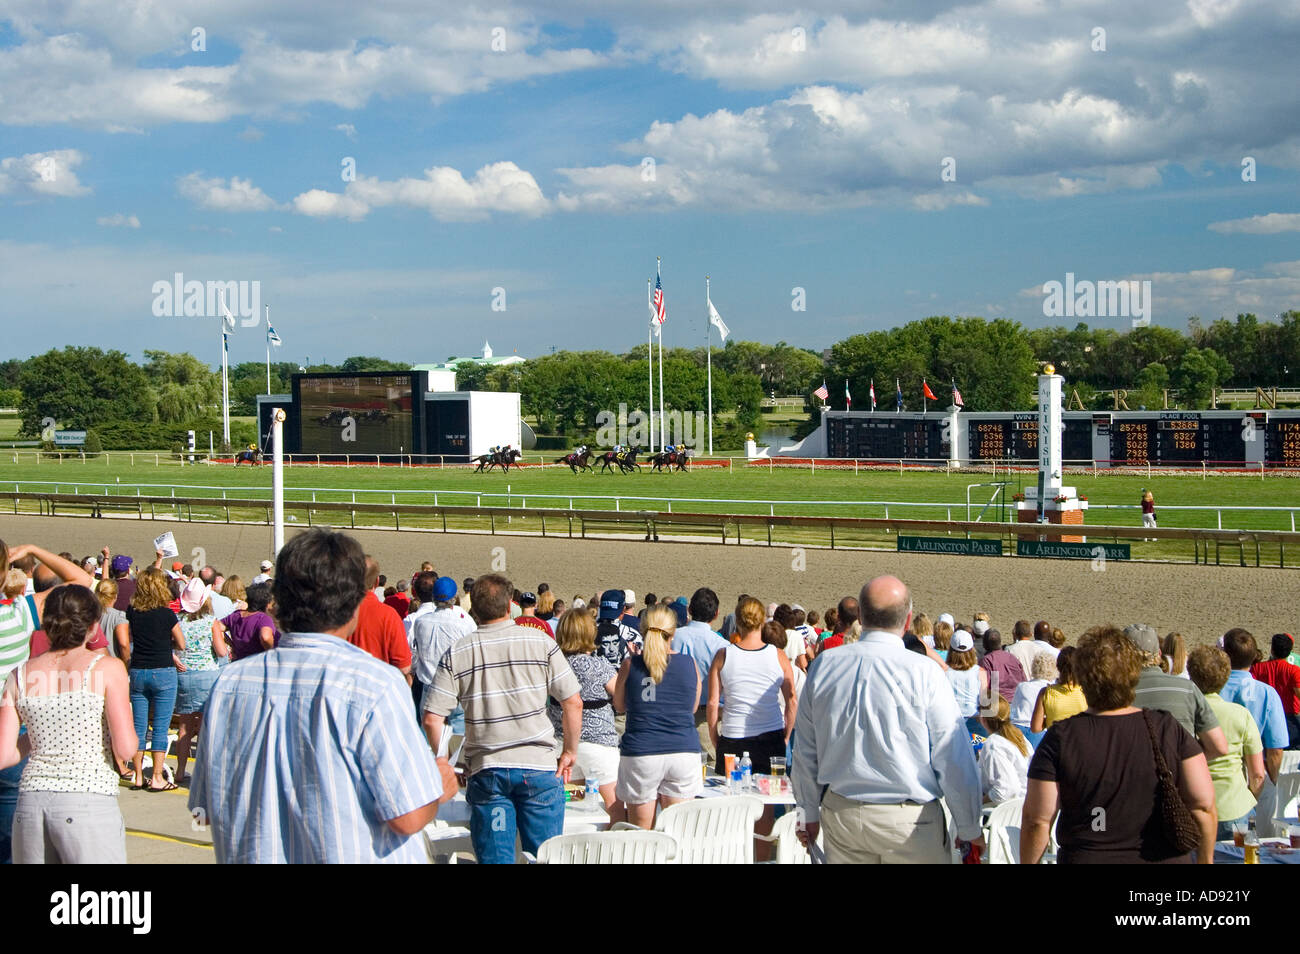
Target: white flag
229 318
716 320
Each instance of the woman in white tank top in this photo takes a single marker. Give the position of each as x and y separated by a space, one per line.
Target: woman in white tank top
76 705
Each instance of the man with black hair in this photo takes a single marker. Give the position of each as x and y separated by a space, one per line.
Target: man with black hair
846 614
698 641
310 754
1284 677
1004 669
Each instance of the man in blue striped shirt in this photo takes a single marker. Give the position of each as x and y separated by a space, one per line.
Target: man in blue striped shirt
310 753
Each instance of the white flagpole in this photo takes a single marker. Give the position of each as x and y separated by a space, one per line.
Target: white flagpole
663 441
708 351
225 379
268 349
650 357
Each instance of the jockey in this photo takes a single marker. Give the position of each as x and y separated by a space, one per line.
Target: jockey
671 449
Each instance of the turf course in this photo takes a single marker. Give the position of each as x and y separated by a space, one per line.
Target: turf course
752 489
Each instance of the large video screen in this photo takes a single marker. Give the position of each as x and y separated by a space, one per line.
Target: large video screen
348 414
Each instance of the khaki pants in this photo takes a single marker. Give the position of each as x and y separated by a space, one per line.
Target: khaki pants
702 727
864 834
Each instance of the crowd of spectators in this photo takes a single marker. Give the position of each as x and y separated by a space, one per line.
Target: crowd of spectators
334 710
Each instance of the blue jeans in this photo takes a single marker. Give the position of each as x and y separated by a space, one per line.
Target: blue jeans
9 779
156 688
503 801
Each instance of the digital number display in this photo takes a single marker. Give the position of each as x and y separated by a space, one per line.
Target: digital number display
1283 445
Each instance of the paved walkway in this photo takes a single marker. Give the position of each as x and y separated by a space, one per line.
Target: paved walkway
159 829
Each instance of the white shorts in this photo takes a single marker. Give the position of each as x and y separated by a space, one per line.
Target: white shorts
597 761
1148 520
643 778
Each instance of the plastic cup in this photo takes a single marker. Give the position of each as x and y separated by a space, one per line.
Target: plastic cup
778 765
1239 833
728 765
1294 832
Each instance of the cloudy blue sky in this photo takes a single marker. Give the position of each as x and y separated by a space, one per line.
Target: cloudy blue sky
552 150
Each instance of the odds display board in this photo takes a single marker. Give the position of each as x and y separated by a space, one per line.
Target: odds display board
902 436
1224 439
1179 437
1282 442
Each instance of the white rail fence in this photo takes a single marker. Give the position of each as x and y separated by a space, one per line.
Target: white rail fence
616 502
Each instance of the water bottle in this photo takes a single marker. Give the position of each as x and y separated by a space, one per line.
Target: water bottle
746 773
592 796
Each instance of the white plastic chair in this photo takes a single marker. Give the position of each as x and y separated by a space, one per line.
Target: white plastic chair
710 831
1290 762
789 850
1002 832
443 841
627 847
1288 791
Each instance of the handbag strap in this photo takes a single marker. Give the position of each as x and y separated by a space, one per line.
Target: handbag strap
1162 767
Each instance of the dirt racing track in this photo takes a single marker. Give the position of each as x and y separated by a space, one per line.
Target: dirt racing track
1199 601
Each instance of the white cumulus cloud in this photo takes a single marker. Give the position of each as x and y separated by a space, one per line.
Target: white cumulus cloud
214 194
118 221
43 173
1269 224
443 192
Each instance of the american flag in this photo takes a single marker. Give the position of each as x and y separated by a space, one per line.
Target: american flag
660 308
956 396
873 394
821 393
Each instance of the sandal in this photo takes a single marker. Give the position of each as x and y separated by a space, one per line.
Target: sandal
169 787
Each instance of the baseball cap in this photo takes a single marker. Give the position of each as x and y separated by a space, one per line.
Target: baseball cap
680 610
946 618
194 595
177 566
611 604
528 599
1143 637
961 641
579 603
266 565
121 563
981 627
444 588
629 597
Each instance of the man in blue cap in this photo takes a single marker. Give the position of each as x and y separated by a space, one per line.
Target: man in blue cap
432 630
614 637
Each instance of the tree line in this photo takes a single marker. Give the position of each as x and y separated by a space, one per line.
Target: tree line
993 363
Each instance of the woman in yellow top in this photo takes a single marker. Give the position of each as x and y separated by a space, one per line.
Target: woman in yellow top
1062 699
1239 775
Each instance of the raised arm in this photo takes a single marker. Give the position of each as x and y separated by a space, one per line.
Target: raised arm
65 570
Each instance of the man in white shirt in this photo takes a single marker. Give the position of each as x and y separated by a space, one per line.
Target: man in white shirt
878 730
265 576
431 630
1025 647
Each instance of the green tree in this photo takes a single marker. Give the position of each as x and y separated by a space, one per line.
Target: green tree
363 363
83 388
1200 371
1151 384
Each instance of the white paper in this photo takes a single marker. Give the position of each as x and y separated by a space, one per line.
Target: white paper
167 544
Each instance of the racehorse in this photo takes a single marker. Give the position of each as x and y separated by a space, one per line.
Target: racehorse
625 461
249 457
576 461
675 460
502 459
